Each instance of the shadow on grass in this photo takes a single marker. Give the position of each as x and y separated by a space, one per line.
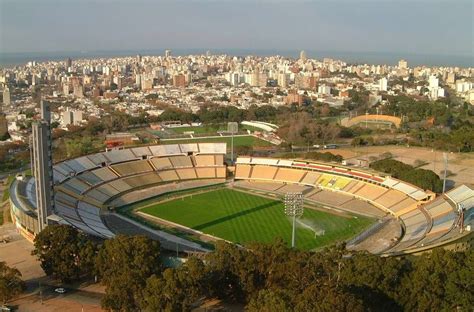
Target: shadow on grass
201 227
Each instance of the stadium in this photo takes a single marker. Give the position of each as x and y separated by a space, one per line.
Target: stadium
187 196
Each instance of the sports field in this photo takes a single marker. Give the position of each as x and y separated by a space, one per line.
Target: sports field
241 217
247 140
211 129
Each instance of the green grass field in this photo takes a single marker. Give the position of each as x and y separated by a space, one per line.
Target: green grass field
242 218
211 129
238 141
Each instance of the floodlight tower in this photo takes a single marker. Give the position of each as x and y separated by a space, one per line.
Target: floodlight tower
294 208
233 128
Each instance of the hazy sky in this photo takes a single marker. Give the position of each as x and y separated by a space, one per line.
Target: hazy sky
410 26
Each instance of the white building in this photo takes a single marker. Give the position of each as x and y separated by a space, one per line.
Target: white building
434 82
383 84
323 89
71 117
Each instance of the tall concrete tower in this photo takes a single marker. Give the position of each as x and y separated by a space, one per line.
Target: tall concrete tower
42 165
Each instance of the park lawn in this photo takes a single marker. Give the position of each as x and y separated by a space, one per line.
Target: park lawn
243 218
211 129
238 141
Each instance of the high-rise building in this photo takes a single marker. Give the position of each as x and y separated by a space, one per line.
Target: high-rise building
66 118
66 89
6 96
451 78
303 55
138 80
42 166
383 84
282 80
402 64
78 91
147 84
179 81
433 82
167 53
323 89
73 117
68 62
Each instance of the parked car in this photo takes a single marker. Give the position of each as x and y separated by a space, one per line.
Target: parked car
60 290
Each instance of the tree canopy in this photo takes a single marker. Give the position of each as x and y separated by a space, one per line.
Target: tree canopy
426 179
274 277
11 284
64 252
123 265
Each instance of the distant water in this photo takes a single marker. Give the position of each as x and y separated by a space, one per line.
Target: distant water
13 59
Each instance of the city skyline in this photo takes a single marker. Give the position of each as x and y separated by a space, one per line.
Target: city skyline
381 27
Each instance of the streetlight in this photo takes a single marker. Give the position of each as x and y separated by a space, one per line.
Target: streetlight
232 127
294 208
445 156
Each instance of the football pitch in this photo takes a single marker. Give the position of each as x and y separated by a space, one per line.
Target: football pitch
246 140
242 218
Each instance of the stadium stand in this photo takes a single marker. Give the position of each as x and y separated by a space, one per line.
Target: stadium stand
330 198
221 172
161 163
104 174
310 178
120 185
130 168
97 159
291 188
289 175
205 160
85 186
425 222
181 161
85 183
141 152
263 173
242 171
76 185
89 178
142 180
370 191
117 156
206 173
187 173
168 175
363 207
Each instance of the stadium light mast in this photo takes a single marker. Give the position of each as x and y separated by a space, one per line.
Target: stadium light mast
294 208
232 127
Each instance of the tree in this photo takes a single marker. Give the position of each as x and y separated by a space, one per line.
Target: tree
268 300
177 289
422 178
11 284
64 253
439 282
221 265
123 264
